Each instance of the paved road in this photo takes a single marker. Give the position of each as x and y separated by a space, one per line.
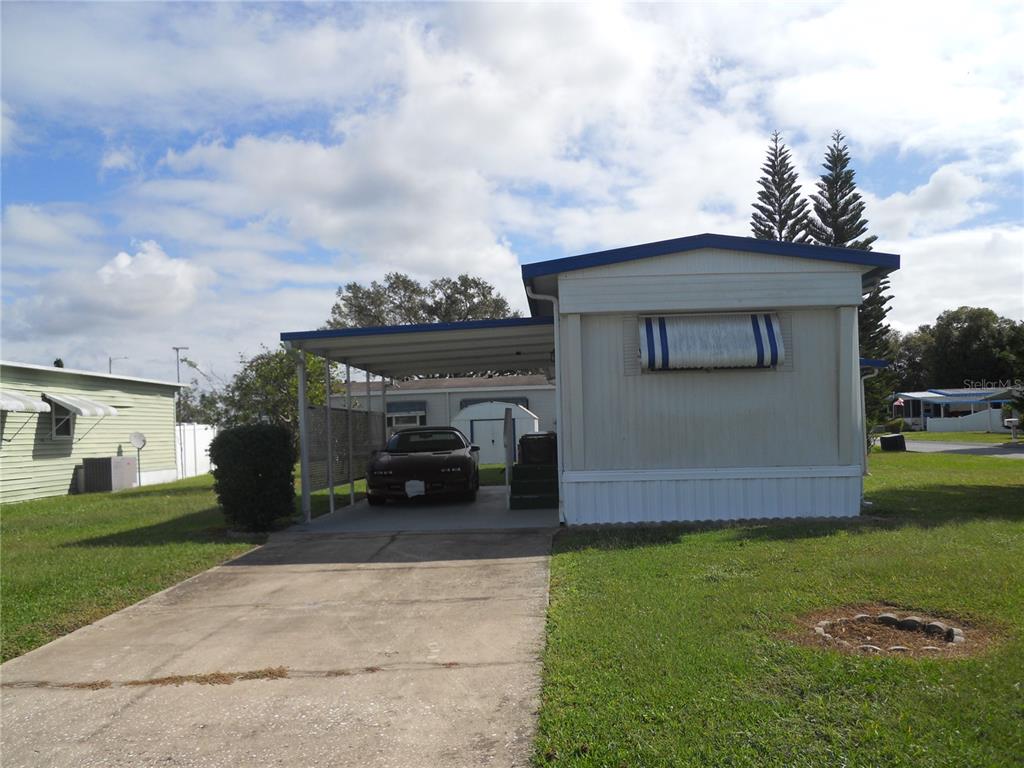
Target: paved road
414 649
970 449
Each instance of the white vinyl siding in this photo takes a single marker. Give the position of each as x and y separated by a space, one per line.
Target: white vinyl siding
709 281
700 419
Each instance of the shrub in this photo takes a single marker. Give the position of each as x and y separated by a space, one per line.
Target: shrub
894 425
254 474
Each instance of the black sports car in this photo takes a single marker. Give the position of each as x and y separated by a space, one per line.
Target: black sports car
423 461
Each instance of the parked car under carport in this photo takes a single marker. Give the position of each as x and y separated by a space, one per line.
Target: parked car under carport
423 461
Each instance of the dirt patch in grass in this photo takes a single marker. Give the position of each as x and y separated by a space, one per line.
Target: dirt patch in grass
858 629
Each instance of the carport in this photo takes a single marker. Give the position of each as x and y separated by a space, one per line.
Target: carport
402 351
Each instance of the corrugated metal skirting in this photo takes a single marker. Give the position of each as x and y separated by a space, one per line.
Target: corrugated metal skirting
698 500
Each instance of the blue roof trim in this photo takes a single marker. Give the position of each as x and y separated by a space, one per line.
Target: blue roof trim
886 261
867 362
380 330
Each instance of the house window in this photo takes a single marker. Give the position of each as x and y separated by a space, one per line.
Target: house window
681 342
407 420
62 422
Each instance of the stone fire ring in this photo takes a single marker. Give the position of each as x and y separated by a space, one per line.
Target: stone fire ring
944 633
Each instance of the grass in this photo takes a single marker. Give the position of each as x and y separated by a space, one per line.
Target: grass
960 437
666 645
70 560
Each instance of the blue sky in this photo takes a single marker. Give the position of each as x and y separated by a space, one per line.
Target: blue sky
207 175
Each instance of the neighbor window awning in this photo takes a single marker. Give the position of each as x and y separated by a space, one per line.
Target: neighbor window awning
409 407
15 401
748 340
82 406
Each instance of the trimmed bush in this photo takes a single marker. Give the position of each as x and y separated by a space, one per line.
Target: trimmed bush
895 425
254 475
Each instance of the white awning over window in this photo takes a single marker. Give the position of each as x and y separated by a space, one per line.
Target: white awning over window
82 406
751 340
15 401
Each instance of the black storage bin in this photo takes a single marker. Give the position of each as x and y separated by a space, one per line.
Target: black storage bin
538 449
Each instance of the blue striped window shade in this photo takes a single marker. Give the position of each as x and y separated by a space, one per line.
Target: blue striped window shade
748 340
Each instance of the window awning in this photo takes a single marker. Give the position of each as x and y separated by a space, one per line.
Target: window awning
15 401
82 406
411 407
675 342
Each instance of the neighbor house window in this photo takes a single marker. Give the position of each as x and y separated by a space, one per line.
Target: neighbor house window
407 420
62 425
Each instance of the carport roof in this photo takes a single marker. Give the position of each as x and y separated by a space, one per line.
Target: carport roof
519 343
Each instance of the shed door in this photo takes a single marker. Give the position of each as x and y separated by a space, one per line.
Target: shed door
489 435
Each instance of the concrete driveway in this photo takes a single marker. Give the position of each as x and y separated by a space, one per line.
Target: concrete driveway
406 649
1006 450
490 510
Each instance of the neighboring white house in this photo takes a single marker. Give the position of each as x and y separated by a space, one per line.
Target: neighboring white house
952 409
53 419
484 425
436 402
704 378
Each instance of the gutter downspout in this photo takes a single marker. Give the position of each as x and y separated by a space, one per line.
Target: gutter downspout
864 414
558 396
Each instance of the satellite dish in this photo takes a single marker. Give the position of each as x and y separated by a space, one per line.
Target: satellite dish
138 440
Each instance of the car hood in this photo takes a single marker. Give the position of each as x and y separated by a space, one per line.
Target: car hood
420 460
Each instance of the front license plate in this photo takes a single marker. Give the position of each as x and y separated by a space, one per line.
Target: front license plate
415 488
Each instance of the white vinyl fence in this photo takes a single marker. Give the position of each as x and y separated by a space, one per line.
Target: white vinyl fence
987 420
192 442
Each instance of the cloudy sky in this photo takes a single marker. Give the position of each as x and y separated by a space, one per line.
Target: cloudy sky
207 175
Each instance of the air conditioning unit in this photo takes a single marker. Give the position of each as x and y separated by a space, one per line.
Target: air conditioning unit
109 473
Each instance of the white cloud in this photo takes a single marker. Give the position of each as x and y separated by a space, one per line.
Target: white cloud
949 198
10 133
118 159
335 143
133 292
978 267
47 237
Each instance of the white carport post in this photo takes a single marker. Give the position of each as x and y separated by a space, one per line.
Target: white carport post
330 433
300 370
348 423
384 406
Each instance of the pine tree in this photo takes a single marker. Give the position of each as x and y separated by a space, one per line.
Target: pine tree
780 213
838 220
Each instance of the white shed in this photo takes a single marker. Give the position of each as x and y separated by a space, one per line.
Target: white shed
484 425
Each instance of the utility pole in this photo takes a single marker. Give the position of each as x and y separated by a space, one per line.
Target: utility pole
110 362
177 397
177 360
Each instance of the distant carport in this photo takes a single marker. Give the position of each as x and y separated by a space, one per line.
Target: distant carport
400 351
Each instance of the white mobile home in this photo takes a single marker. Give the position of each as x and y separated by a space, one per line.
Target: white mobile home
704 378
438 402
56 419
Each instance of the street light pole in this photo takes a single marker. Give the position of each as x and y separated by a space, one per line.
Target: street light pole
177 360
110 362
177 398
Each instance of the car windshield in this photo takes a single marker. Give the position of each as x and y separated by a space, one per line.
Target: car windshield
425 442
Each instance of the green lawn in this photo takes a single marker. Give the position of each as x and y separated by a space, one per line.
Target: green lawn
665 645
67 561
961 437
